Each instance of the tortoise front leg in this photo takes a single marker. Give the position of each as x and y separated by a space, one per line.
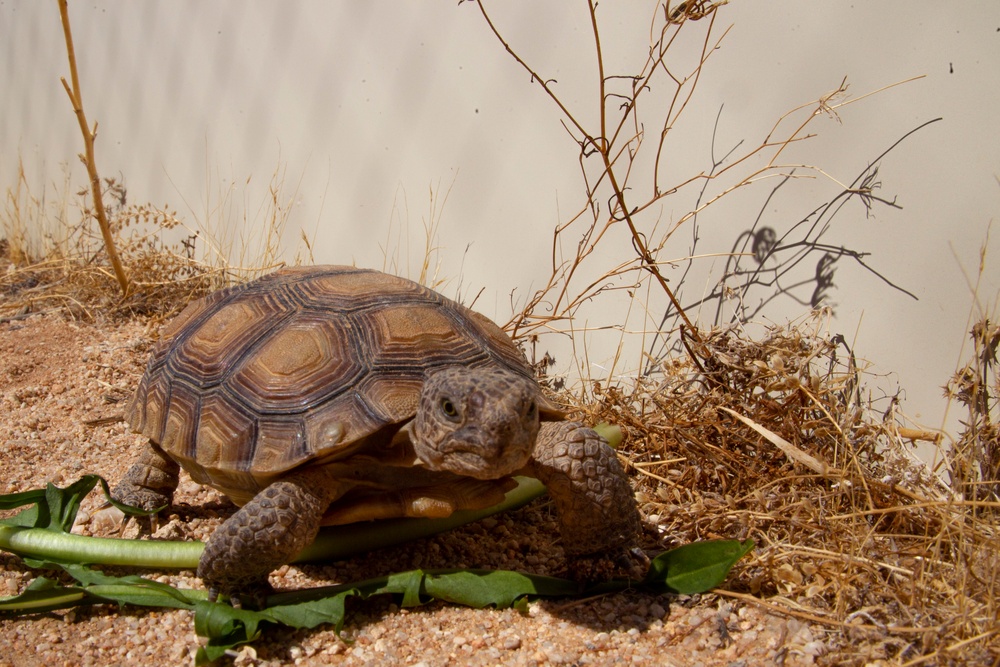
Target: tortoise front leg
151 481
264 534
598 518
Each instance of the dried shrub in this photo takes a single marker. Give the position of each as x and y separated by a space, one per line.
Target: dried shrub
56 263
974 459
853 531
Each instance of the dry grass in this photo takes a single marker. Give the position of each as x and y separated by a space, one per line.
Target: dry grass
54 260
773 437
853 531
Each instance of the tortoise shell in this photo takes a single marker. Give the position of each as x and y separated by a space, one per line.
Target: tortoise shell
304 364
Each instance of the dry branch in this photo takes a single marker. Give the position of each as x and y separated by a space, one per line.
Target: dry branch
76 99
878 550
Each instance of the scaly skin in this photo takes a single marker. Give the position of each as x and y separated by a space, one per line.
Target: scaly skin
151 481
492 428
479 423
598 518
264 534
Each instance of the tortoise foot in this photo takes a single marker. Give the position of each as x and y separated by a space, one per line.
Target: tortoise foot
250 594
265 533
631 564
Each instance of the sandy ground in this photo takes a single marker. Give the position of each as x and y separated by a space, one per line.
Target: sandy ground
56 375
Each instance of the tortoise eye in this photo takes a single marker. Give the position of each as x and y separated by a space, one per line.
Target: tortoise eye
532 410
449 409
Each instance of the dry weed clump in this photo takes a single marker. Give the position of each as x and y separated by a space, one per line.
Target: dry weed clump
975 458
776 440
54 260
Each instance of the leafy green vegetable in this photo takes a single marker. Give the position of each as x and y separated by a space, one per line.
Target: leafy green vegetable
696 567
499 588
51 508
38 535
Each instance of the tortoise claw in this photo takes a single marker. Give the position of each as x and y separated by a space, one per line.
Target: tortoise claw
147 525
630 564
253 595
635 562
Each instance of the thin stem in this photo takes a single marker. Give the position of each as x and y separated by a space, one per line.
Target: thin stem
76 99
646 258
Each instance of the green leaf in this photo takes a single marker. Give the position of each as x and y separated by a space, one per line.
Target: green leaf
409 585
63 504
690 569
697 567
328 608
28 518
225 627
133 589
96 588
498 588
45 599
54 508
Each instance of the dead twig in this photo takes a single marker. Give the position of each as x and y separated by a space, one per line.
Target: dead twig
89 135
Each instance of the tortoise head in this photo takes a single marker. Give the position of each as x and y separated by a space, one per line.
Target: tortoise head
479 423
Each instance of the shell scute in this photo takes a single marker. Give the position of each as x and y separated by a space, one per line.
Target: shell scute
226 435
205 353
306 361
179 419
418 335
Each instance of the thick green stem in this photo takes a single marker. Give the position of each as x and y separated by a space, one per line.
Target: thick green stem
67 547
331 544
355 538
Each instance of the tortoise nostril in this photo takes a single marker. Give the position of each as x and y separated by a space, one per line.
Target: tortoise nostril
476 399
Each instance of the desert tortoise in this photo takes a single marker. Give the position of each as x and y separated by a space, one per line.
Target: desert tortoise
328 395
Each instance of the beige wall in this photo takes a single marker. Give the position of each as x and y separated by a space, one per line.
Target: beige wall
368 106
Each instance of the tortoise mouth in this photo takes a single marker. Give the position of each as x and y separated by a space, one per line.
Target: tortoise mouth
472 457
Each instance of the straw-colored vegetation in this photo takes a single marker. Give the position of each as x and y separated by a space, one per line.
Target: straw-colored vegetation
143 259
774 436
776 439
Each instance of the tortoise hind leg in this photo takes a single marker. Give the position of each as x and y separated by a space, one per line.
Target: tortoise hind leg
151 481
598 518
267 532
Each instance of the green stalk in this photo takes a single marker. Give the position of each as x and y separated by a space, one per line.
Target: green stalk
331 544
350 540
69 548
62 599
